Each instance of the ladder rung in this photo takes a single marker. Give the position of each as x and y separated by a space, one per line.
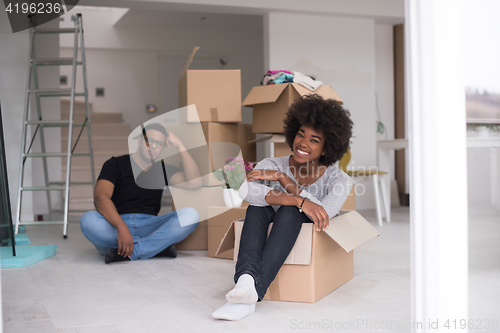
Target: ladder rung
54 61
71 211
71 183
53 123
54 92
44 188
50 91
45 154
21 223
55 31
54 154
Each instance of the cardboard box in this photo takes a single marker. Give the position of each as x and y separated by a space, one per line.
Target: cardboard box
319 262
350 203
239 134
216 93
217 226
271 103
198 199
276 145
210 144
197 240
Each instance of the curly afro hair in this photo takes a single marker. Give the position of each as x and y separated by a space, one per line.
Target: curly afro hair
326 116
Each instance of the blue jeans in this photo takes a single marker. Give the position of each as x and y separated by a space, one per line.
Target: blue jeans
152 234
262 256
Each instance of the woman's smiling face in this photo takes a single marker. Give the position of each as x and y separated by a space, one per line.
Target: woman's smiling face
307 145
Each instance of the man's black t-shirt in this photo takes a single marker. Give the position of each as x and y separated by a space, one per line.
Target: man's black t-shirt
127 196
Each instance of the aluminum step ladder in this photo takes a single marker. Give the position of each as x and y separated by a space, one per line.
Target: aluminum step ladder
37 93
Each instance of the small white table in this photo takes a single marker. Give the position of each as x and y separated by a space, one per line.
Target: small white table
385 147
493 143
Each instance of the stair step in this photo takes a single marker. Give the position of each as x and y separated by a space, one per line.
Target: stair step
95 117
80 191
100 143
80 174
85 205
78 107
99 157
118 129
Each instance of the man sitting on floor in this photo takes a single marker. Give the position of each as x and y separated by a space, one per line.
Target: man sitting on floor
125 225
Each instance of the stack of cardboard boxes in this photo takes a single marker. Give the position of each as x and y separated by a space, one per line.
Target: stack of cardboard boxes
217 96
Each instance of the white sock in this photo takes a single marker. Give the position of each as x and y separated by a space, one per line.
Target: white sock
234 311
244 291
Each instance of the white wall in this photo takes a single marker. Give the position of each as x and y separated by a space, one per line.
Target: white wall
341 53
384 77
13 69
352 55
14 49
125 60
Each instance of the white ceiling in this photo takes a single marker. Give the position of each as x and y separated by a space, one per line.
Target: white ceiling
173 19
382 11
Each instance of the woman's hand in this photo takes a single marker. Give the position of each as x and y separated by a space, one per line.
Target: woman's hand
271 175
317 213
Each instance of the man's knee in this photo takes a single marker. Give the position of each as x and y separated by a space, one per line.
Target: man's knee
188 217
88 219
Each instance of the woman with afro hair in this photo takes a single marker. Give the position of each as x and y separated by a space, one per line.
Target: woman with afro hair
304 187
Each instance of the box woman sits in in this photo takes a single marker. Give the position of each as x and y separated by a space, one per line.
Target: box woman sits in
305 187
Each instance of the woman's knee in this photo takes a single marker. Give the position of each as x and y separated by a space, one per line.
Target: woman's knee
288 213
260 212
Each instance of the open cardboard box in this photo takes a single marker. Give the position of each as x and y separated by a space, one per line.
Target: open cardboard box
319 262
218 223
203 197
216 94
270 103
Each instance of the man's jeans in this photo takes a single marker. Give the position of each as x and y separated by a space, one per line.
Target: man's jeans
262 256
152 234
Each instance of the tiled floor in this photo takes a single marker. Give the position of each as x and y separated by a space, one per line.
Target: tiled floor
74 291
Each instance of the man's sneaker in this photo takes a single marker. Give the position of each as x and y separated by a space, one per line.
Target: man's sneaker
112 256
170 252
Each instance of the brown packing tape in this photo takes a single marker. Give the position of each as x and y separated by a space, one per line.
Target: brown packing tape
214 115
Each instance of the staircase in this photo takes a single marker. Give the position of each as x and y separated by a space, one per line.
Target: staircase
109 138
